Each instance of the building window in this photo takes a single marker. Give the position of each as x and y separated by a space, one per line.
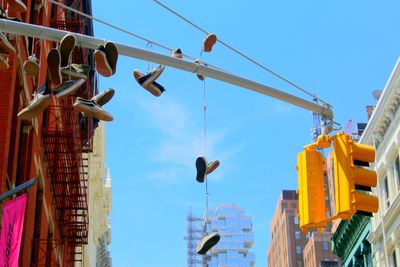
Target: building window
298 250
297 235
394 262
325 245
296 220
397 171
308 235
386 192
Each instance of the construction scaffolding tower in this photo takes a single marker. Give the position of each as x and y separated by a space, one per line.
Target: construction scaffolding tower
193 236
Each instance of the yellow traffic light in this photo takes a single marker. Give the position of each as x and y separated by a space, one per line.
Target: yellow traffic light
350 160
311 191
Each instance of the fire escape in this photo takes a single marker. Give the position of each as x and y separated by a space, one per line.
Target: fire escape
67 138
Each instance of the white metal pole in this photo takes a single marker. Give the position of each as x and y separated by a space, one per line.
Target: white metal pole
85 41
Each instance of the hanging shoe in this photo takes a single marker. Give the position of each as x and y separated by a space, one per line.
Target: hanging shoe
154 88
201 168
152 76
198 61
90 108
40 101
112 56
209 42
80 71
207 243
177 53
212 166
5 46
68 88
31 66
102 65
66 47
103 98
17 5
4 62
53 66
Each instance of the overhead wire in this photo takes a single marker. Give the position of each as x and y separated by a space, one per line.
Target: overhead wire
148 41
242 54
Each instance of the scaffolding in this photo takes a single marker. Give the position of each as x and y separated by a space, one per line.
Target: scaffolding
193 236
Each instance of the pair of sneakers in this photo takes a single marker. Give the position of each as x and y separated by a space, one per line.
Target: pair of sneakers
6 49
204 168
93 106
148 81
106 57
42 98
58 58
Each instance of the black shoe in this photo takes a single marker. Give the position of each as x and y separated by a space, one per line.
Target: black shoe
151 77
154 88
80 71
68 88
53 66
177 53
201 167
207 243
90 108
112 55
103 98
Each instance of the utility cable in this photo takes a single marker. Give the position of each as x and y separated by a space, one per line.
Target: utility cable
148 41
205 148
242 55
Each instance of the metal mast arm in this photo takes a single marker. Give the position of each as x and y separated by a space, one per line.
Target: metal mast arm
85 41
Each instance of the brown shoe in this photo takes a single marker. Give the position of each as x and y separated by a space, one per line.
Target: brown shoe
53 66
67 44
102 65
209 42
31 66
212 166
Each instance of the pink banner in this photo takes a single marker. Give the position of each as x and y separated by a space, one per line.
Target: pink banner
11 231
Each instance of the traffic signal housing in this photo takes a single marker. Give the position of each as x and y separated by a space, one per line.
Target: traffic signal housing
353 178
311 189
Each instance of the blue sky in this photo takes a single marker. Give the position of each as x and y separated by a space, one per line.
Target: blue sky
342 50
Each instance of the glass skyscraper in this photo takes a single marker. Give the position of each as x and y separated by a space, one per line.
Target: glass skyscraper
235 229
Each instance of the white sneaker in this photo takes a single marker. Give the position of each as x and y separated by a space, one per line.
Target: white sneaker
37 105
90 108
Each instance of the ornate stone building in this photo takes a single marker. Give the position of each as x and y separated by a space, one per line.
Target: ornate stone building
383 131
361 241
